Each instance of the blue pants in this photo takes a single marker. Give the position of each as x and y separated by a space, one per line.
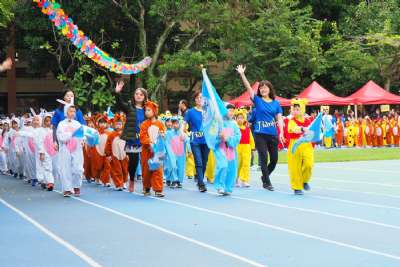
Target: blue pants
200 154
225 172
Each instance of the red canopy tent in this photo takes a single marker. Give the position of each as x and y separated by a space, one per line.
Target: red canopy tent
371 93
244 99
317 95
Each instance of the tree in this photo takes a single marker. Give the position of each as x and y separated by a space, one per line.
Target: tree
375 25
6 13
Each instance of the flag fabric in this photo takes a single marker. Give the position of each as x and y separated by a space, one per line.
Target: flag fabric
329 130
214 111
312 134
159 154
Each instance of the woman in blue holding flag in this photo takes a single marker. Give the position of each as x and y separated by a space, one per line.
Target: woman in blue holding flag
268 112
200 150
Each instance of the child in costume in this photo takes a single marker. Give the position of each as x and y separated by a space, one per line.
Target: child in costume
169 164
177 144
70 155
226 154
101 168
46 153
88 153
115 151
300 163
3 150
245 147
149 130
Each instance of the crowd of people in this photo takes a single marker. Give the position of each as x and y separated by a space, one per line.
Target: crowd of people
139 144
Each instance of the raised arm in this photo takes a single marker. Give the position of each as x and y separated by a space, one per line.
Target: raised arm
241 70
120 99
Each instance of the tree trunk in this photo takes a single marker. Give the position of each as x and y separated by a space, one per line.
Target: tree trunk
387 84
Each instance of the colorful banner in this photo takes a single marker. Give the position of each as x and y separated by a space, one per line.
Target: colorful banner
67 27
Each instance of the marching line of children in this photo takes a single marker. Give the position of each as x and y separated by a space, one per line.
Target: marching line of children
28 150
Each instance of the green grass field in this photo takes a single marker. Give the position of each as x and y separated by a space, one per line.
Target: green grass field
350 154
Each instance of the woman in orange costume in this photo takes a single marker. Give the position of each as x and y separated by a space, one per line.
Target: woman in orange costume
101 165
115 152
151 179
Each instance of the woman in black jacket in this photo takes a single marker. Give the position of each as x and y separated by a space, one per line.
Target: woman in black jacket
134 110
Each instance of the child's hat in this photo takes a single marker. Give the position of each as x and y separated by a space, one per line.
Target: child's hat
153 106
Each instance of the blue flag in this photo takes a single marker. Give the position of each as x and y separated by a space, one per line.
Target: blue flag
312 134
214 112
329 130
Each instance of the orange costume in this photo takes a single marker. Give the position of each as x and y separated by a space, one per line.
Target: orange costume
115 148
395 132
88 154
369 132
389 132
339 131
379 133
101 167
151 179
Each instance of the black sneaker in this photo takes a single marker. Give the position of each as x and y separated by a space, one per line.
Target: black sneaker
178 185
202 188
173 185
168 183
269 187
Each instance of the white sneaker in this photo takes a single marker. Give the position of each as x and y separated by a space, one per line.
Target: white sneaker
247 185
221 192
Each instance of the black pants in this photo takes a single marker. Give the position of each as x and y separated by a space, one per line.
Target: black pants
133 164
267 144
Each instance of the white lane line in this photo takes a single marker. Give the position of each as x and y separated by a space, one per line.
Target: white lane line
53 236
311 211
278 228
367 204
344 181
166 231
357 169
350 191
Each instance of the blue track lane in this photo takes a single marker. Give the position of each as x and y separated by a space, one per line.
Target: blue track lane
341 222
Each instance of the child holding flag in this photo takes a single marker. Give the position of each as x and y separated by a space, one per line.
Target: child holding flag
226 157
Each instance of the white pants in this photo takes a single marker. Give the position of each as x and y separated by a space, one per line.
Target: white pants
44 169
70 168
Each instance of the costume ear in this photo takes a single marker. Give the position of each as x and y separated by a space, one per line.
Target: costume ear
33 112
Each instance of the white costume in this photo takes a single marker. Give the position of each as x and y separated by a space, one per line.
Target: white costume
70 155
43 141
3 155
29 149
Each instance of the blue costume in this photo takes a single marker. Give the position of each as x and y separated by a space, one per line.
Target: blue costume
177 144
226 158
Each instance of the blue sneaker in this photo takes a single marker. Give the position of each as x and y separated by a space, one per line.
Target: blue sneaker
34 182
306 187
298 192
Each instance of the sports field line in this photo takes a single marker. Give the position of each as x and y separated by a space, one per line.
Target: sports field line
169 232
343 181
278 228
356 169
67 245
309 210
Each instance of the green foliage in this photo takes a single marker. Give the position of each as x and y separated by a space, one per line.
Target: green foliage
6 12
340 43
